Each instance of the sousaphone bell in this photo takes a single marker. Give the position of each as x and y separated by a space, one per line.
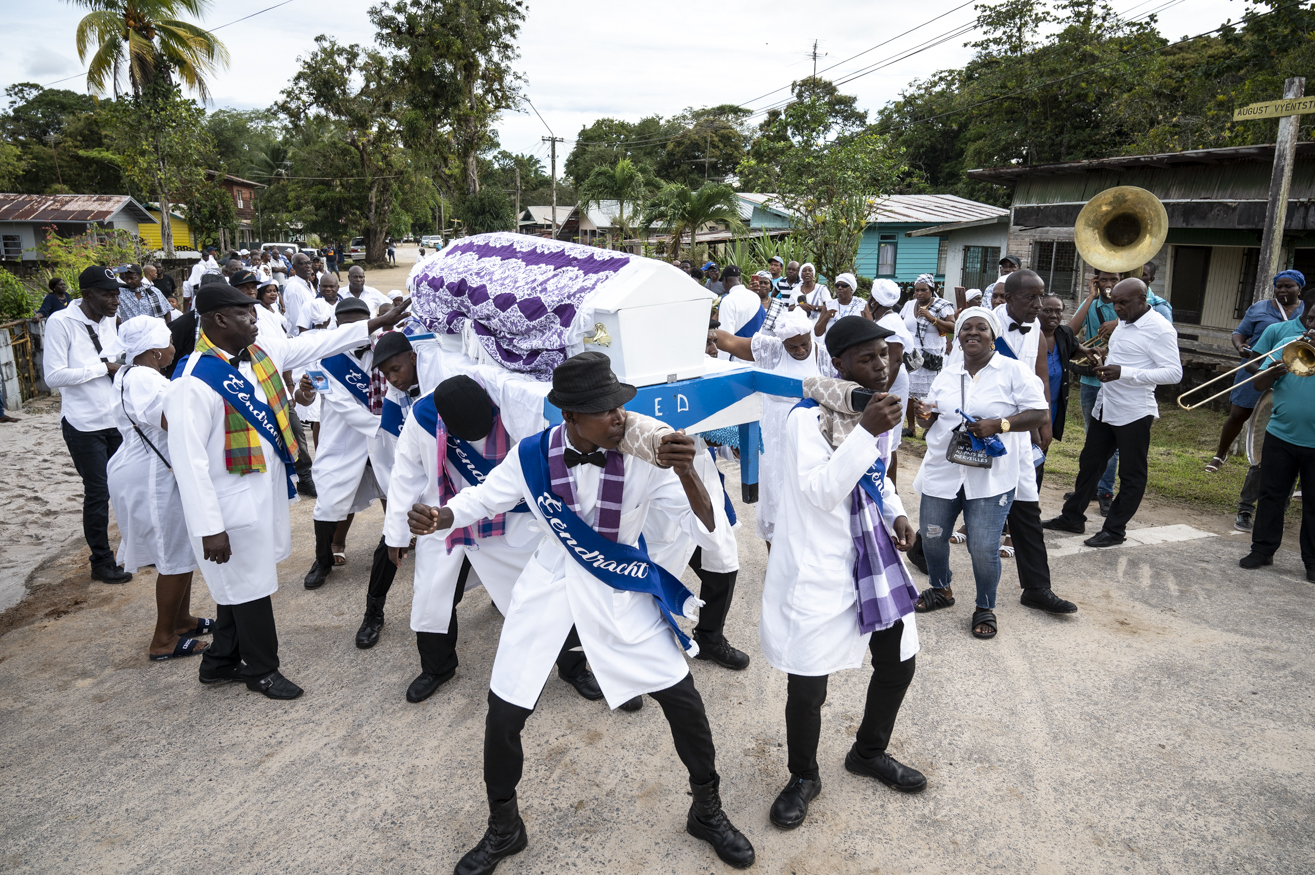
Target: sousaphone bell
1121 229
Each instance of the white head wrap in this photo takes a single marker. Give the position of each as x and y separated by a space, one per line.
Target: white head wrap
972 294
847 279
807 264
763 275
885 292
970 312
927 279
1003 277
792 324
137 335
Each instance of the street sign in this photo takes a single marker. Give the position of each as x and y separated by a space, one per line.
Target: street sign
1274 109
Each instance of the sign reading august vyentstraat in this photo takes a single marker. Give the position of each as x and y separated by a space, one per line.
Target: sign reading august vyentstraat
1274 109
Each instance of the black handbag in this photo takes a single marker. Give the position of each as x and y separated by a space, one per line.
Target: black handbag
960 450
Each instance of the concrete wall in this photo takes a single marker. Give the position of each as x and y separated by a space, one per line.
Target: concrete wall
985 235
26 231
9 386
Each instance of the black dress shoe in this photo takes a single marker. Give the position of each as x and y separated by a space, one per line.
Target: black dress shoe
226 675
633 705
110 574
888 770
1104 538
1059 524
1255 560
368 635
791 805
275 686
915 554
1104 501
724 655
1046 600
584 682
1068 495
707 821
307 489
504 838
425 684
316 576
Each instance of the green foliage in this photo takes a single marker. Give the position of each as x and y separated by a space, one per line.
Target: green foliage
59 137
691 148
17 300
210 210
608 140
682 211
36 113
487 210
240 139
67 257
12 165
623 183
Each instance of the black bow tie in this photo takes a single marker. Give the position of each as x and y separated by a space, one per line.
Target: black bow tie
1021 329
243 356
413 392
573 458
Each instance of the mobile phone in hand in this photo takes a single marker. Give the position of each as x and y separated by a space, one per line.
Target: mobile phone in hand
859 398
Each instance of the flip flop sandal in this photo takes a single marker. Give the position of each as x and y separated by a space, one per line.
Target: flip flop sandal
184 647
959 538
1215 464
203 627
983 617
932 599
1006 552
339 556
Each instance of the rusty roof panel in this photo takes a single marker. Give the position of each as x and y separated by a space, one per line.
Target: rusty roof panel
79 208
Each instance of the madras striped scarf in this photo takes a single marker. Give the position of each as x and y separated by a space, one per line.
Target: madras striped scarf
496 446
611 485
242 453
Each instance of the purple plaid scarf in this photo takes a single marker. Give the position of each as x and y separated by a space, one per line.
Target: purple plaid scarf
885 591
496 446
610 485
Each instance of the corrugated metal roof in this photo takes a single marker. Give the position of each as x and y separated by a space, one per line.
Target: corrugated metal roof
938 208
1123 162
543 215
82 208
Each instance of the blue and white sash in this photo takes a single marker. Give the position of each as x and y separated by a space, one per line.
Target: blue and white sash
619 566
751 327
346 371
1004 349
473 466
393 418
229 383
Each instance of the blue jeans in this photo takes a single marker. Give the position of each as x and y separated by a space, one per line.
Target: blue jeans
984 518
1106 484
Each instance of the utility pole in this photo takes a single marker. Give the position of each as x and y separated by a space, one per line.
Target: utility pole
518 200
51 139
814 59
554 141
1280 181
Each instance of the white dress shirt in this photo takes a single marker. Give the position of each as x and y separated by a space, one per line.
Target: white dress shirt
296 292
377 300
1002 388
71 364
736 309
1146 352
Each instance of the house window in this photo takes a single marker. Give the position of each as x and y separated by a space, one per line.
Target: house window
238 193
886 255
1247 282
1056 262
1191 270
941 255
12 246
980 266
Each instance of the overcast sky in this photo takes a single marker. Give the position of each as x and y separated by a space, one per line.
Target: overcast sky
583 60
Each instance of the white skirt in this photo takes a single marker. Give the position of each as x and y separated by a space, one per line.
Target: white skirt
149 510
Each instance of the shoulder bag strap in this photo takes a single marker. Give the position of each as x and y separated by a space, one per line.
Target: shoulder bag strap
95 338
123 386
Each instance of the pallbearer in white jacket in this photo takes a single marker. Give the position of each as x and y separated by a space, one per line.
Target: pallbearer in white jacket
587 493
232 477
824 598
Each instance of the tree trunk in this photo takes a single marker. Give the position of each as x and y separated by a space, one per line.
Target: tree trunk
166 227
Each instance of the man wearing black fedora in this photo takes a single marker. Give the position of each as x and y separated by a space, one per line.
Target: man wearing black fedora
589 572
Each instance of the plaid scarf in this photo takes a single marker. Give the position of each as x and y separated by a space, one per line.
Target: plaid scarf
242 453
610 486
496 446
378 391
885 591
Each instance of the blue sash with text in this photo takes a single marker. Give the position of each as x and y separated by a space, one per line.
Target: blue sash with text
393 417
346 371
619 566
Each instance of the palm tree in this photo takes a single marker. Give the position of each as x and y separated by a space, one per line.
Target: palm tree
144 39
624 183
682 210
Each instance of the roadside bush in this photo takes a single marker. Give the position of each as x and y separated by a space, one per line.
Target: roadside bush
17 301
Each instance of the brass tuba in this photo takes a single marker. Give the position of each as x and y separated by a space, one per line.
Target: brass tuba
1121 229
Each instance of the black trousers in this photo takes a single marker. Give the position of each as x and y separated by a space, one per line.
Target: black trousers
682 705
1029 541
438 650
382 572
717 590
1281 463
1133 442
91 451
303 461
244 633
806 695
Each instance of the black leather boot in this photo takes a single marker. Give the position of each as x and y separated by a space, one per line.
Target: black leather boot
707 821
319 572
504 838
368 635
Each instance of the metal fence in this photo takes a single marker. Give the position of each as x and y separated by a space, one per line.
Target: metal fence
23 347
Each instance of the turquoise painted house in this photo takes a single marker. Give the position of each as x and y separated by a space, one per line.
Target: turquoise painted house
887 249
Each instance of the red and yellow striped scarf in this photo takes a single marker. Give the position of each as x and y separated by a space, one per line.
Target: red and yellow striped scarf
242 453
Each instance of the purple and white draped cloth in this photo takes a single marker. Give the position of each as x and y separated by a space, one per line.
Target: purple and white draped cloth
519 294
611 485
885 590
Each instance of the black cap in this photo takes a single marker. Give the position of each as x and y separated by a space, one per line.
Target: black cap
242 278
131 268
585 383
350 304
213 279
851 331
217 296
390 344
98 277
730 270
1012 259
464 407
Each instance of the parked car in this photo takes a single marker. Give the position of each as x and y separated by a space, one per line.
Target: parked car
356 251
432 240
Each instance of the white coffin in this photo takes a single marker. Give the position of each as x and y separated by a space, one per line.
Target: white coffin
654 323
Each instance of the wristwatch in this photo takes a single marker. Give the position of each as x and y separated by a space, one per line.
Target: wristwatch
1004 426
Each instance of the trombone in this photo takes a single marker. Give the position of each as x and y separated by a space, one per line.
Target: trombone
1093 344
1298 355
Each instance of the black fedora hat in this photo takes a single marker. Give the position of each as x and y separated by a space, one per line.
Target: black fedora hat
585 383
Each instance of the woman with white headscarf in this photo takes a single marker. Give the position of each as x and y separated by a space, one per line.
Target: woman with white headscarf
143 490
1005 402
846 302
789 350
814 298
929 319
885 295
